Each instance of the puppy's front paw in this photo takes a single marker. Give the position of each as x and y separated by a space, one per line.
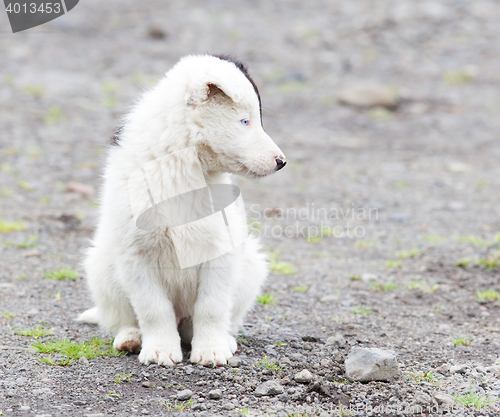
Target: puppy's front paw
213 352
128 339
162 355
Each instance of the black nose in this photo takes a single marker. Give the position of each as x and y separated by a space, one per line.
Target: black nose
280 162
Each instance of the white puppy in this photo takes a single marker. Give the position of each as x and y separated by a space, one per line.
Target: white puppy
161 267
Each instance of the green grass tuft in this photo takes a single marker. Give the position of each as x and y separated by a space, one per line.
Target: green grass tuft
62 273
423 286
408 254
7 227
36 332
266 363
487 295
266 299
393 264
463 341
179 405
301 289
381 287
474 400
282 268
123 377
361 310
94 348
7 315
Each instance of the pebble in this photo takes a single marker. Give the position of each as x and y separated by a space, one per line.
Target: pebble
22 380
79 402
445 399
10 393
146 384
297 357
228 406
368 95
215 394
458 369
303 377
268 388
336 340
83 360
25 408
234 361
184 395
371 364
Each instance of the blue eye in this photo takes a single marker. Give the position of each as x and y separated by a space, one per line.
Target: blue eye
245 122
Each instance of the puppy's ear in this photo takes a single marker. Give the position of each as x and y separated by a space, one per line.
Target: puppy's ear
200 93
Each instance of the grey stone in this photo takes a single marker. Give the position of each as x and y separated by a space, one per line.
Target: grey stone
21 381
336 340
184 395
79 403
458 369
371 364
234 361
445 400
228 406
303 377
368 95
83 360
297 357
268 388
215 394
146 384
25 408
10 393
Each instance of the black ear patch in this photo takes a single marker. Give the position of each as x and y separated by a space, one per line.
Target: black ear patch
243 68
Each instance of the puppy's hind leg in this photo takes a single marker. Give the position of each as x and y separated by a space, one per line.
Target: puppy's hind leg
114 311
254 273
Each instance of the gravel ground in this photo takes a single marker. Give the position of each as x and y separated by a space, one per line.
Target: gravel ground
405 195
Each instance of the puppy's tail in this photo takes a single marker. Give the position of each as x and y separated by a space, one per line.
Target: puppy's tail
90 316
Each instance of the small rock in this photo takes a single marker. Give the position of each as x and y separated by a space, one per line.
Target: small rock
31 253
83 360
458 369
371 364
184 395
10 393
443 369
336 340
79 403
215 394
25 408
368 95
228 406
495 369
268 388
21 381
146 384
445 400
145 412
156 33
303 377
459 167
297 357
329 298
368 278
422 398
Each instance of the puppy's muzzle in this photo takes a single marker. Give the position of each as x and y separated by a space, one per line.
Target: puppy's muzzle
280 162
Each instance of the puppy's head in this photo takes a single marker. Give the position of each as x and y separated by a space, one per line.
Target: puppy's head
224 111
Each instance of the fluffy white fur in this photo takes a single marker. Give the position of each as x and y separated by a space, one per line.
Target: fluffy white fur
141 294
